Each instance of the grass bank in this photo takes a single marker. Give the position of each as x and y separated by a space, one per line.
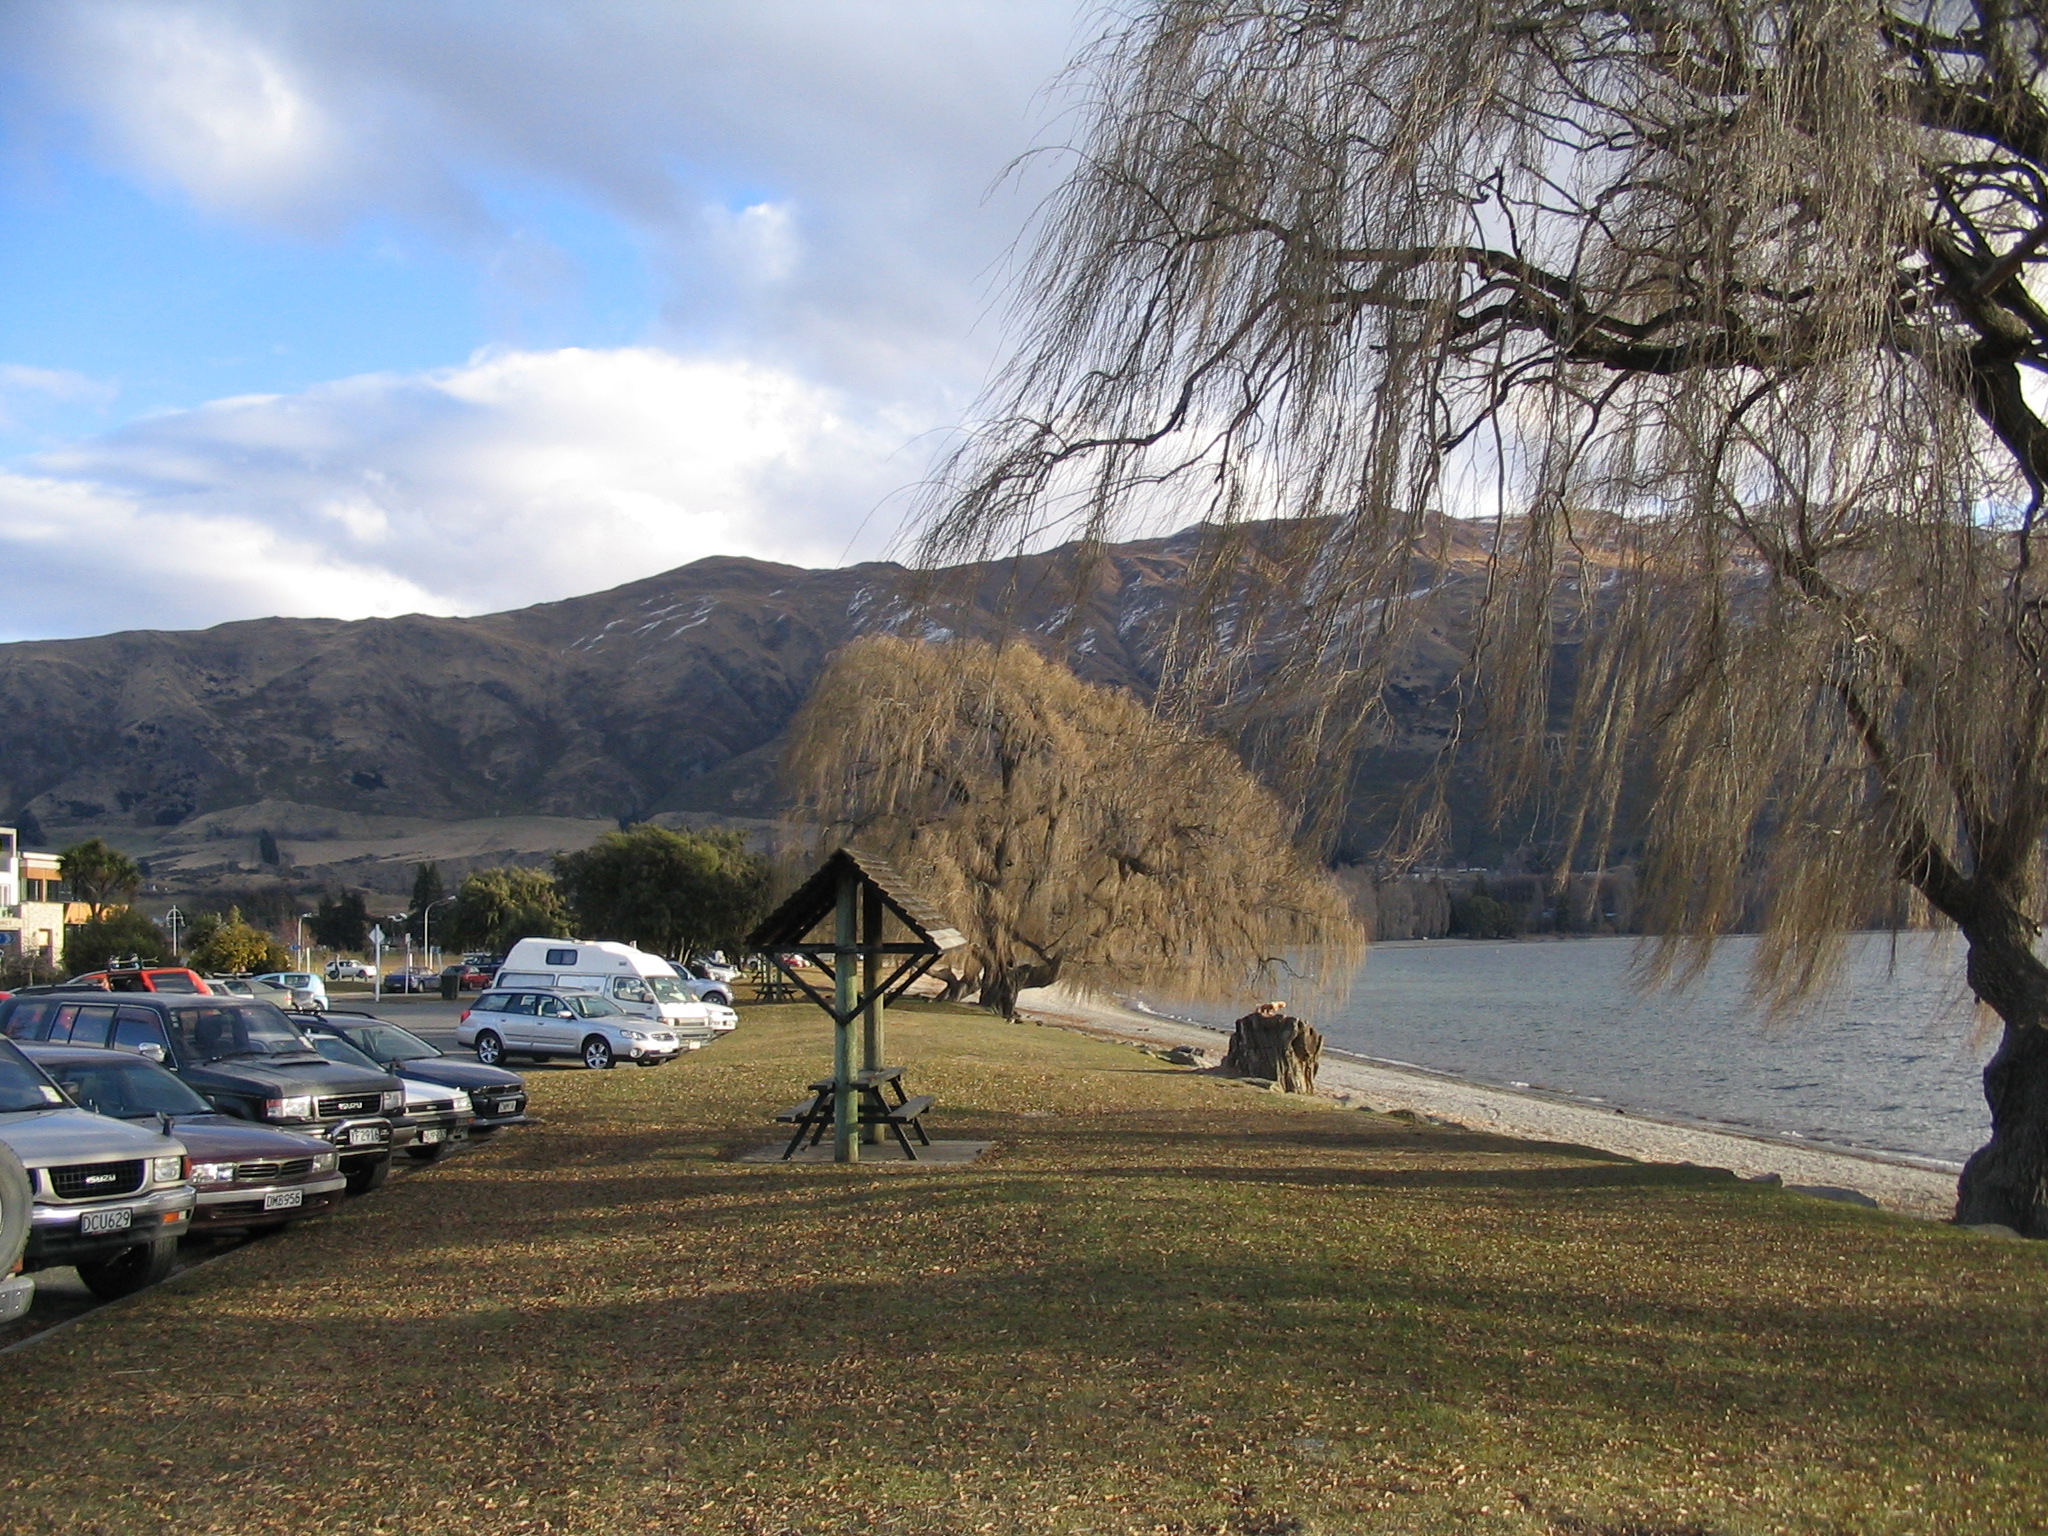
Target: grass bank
1164 1303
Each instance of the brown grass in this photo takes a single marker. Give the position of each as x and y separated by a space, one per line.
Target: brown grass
1162 1303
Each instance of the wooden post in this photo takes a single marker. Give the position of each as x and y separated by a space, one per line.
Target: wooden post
871 1056
846 996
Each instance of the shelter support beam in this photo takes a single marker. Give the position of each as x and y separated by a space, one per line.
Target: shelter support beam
846 1000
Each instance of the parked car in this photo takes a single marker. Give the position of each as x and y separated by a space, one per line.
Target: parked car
468 978
498 1097
552 1023
109 1198
297 981
248 1176
231 986
436 1116
413 979
638 982
349 970
148 978
17 1208
246 1059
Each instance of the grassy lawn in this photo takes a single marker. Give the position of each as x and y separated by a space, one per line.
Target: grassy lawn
1163 1303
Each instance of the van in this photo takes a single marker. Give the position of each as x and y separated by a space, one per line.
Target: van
644 985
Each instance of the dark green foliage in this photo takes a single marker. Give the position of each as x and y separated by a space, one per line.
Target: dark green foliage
1479 914
99 876
674 893
495 908
114 935
341 922
426 890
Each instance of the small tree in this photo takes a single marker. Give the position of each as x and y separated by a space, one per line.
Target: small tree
99 876
233 946
426 890
1070 833
341 922
495 908
674 893
121 932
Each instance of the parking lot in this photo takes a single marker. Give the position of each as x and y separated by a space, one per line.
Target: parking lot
61 1295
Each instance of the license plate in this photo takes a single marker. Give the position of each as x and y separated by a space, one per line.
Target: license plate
105 1221
284 1199
365 1136
429 1137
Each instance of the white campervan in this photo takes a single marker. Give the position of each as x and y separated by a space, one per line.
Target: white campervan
644 985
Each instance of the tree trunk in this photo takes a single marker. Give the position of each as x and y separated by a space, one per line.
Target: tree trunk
1002 984
1279 1048
2006 1180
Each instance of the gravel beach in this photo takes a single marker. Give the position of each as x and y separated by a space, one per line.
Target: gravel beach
1916 1189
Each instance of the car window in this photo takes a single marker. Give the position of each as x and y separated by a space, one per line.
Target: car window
631 989
341 1053
491 1002
94 1023
593 1007
23 1084
27 1018
134 1027
238 1029
171 981
668 989
128 1086
561 957
525 1002
58 1029
387 1042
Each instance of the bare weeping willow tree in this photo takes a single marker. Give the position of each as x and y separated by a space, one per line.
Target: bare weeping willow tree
1068 832
1722 313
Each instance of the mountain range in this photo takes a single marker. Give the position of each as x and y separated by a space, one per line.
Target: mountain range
663 697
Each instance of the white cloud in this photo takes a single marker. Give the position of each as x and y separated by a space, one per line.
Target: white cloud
515 478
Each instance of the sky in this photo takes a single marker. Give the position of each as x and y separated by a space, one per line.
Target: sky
452 306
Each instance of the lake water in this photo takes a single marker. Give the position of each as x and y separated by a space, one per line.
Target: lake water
1885 1063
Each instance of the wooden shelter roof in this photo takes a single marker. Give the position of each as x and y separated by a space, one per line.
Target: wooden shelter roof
790 924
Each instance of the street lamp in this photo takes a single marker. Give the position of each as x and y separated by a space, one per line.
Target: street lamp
174 922
302 941
426 923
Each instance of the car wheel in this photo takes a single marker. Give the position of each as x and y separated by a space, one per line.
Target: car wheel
723 999
426 1154
597 1054
490 1050
131 1269
363 1180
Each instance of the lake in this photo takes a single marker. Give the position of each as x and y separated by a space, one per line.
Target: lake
1884 1063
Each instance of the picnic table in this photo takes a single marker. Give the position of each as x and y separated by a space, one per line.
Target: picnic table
815 1115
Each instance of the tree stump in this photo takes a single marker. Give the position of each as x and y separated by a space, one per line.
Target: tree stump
1276 1046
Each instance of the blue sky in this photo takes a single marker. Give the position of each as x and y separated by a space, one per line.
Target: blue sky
305 307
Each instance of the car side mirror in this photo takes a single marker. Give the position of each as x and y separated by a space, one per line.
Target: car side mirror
151 1051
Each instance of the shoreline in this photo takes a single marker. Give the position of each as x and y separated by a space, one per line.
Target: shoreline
1916 1187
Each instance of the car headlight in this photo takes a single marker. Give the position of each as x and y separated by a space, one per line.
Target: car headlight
207 1173
463 1106
632 1034
326 1162
169 1170
297 1106
394 1101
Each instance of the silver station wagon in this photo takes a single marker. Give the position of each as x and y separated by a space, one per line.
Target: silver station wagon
544 1024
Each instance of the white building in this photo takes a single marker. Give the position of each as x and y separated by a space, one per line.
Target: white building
32 905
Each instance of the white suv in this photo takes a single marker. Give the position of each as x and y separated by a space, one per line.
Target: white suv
507 1022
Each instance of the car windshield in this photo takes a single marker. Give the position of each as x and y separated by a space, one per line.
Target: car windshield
23 1085
667 989
593 1007
240 1029
128 1088
342 1054
387 1042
